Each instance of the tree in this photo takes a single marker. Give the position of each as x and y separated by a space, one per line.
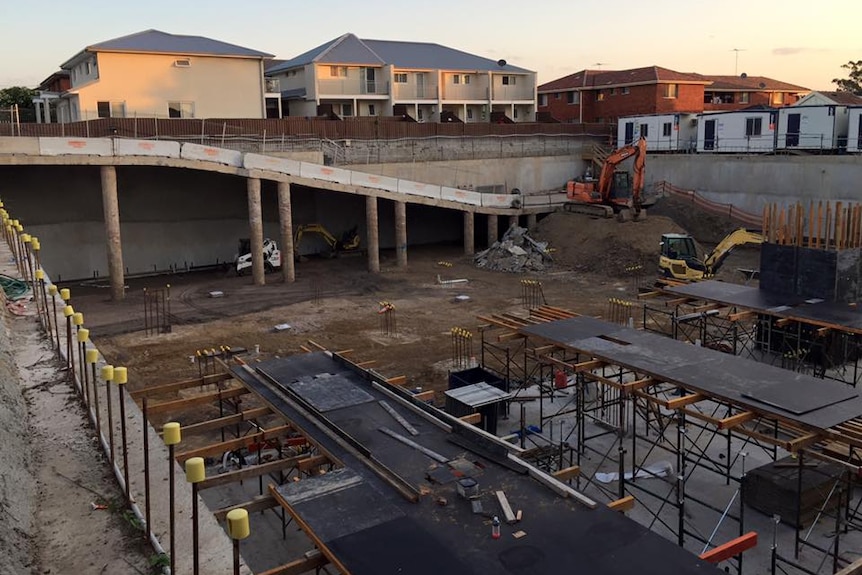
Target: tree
22 96
854 82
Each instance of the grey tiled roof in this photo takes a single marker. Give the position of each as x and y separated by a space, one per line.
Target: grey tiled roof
159 42
348 49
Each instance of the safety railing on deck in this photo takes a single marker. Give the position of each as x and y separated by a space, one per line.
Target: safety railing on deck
749 219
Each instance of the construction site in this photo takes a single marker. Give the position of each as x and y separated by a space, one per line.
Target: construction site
583 393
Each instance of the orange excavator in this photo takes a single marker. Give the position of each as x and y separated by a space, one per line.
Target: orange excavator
616 191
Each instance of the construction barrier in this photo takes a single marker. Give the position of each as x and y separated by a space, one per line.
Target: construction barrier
76 146
146 148
749 219
461 196
271 163
210 154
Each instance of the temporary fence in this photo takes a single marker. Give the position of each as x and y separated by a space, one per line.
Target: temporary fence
746 218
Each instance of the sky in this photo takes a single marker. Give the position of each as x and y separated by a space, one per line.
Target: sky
802 43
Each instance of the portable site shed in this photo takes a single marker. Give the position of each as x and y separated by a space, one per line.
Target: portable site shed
749 130
854 129
663 132
817 127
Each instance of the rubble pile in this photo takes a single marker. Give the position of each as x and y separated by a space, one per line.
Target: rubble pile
516 252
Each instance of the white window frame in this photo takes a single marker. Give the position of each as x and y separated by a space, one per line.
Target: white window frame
666 129
338 71
456 78
186 108
626 90
509 80
400 77
671 91
116 109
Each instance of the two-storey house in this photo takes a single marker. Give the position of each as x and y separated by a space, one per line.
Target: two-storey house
606 96
156 74
349 76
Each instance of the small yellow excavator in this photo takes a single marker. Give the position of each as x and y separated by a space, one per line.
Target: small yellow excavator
349 241
679 260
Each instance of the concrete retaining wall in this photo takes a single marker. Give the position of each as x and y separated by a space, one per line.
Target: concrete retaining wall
750 182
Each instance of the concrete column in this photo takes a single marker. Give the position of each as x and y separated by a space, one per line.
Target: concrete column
493 229
285 218
531 221
255 224
401 233
112 232
469 233
513 221
373 234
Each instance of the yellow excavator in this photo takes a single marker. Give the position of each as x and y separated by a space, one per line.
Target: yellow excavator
679 259
349 241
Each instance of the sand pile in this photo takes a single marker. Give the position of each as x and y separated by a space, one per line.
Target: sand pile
585 244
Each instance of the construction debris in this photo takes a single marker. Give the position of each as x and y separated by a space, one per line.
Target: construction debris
516 252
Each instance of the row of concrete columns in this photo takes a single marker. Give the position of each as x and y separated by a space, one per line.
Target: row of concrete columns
255 219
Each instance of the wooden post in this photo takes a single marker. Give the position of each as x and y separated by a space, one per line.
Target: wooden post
288 262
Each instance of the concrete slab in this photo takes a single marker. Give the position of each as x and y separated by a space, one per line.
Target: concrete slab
271 163
209 154
147 148
76 146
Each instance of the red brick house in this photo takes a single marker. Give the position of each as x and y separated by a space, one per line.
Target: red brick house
604 96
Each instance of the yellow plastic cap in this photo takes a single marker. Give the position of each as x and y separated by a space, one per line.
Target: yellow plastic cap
65 294
78 318
107 372
121 375
195 470
171 433
92 354
83 335
237 524
26 238
40 275
68 311
35 245
19 228
52 290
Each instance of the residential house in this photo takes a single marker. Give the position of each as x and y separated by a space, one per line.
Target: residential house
606 96
818 121
48 91
156 74
854 134
349 76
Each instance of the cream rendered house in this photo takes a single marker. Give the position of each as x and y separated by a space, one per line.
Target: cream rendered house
349 76
155 74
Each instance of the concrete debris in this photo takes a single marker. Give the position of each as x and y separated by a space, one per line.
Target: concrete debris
517 252
282 327
216 294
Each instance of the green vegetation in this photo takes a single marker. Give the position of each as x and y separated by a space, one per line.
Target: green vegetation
853 83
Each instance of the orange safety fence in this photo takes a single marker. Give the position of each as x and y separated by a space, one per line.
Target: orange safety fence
749 219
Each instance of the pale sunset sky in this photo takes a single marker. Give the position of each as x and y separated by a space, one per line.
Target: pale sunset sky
803 43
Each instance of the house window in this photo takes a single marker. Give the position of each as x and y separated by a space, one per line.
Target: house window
371 110
420 115
778 98
346 109
671 90
625 90
181 109
600 96
753 126
466 79
338 71
557 96
111 109
89 67
613 91
574 97
469 114
743 98
543 99
508 80
400 78
666 129
456 78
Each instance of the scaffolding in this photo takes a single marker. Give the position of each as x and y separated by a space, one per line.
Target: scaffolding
626 420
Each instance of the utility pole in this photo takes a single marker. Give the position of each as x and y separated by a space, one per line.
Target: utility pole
736 60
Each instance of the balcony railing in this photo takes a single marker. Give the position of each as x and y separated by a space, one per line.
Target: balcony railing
272 85
351 86
414 92
509 92
465 92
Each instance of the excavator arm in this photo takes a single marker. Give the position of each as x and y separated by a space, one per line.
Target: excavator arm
716 257
606 177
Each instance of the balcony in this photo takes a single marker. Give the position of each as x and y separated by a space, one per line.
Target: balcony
414 92
272 85
465 92
352 85
513 93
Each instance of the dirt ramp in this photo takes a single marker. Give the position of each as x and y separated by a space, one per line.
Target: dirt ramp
603 246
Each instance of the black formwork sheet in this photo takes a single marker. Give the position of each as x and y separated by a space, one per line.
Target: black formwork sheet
816 403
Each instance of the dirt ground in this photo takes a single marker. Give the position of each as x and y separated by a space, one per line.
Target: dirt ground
335 303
